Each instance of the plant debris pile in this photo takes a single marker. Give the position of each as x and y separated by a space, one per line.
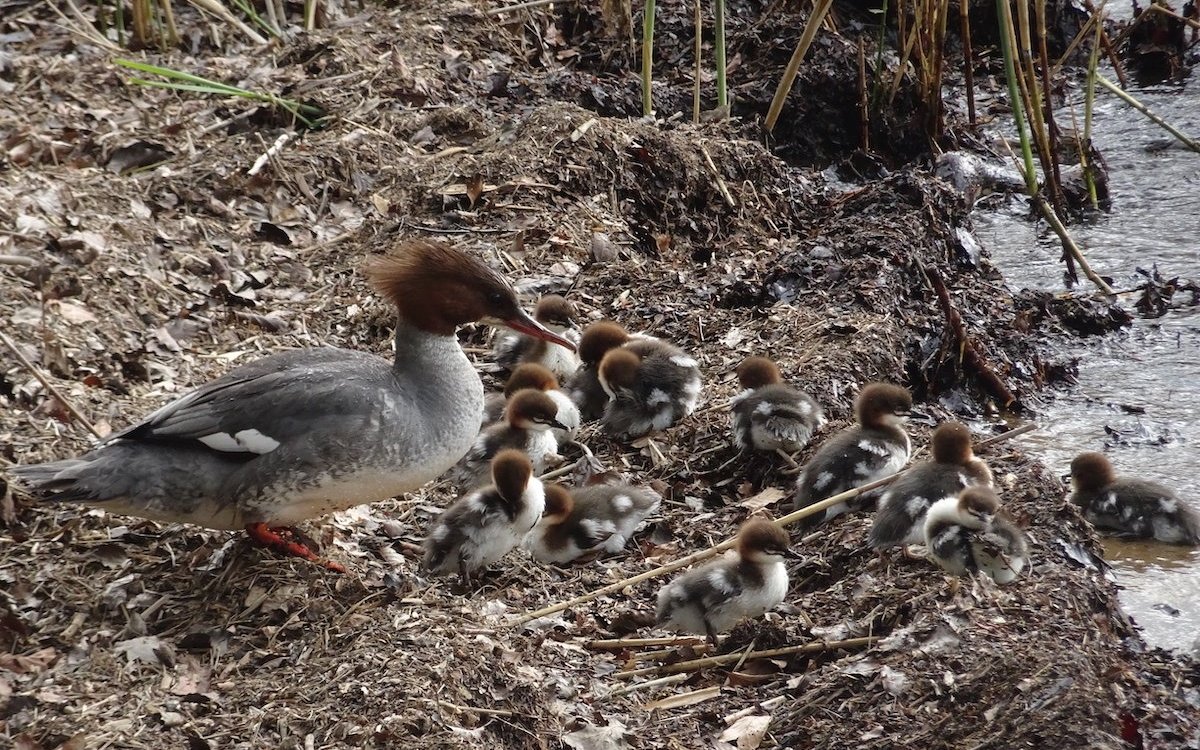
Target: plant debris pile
143 259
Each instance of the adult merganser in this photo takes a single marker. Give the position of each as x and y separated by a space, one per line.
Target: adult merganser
584 386
1131 507
902 507
593 518
650 385
713 598
874 448
303 433
483 526
527 425
532 375
557 315
972 532
769 415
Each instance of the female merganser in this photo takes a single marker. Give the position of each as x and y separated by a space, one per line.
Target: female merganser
483 526
713 598
769 415
972 532
874 448
594 518
650 385
584 386
902 507
1131 507
303 433
556 314
527 425
532 375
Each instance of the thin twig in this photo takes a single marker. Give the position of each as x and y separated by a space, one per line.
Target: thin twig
618 644
793 67
37 373
715 661
17 260
696 557
284 138
712 167
523 6
1184 139
669 679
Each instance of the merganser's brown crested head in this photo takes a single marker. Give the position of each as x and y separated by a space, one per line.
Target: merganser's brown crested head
951 444
530 375
555 310
598 338
559 504
1092 471
756 372
511 471
618 369
437 288
881 403
759 540
529 409
977 506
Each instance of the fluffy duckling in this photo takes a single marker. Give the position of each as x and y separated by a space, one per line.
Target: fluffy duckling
584 386
650 384
599 517
483 526
874 448
528 421
769 415
972 533
902 507
713 598
1131 507
556 314
537 377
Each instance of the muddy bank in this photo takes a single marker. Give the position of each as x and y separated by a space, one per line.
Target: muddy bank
145 283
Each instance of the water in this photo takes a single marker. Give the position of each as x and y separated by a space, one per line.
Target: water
1138 397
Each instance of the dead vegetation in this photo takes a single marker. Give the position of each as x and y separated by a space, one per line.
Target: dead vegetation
152 261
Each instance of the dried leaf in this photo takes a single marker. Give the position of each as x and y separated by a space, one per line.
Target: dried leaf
592 737
474 188
29 663
747 732
148 649
684 699
769 496
72 312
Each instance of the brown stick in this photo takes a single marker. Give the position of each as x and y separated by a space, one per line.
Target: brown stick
37 373
618 644
716 661
864 112
964 14
786 521
969 355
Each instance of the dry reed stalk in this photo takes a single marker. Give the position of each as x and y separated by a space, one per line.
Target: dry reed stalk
964 17
696 665
793 66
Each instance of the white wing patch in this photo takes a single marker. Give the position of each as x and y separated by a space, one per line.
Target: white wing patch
658 396
683 361
823 480
875 448
245 441
765 408
622 503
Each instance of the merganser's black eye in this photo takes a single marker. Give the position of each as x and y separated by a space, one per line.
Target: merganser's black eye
496 298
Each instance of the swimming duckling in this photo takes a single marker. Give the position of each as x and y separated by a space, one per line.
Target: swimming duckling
599 517
874 448
537 377
527 425
902 507
713 598
484 525
769 415
1131 507
650 384
556 314
972 532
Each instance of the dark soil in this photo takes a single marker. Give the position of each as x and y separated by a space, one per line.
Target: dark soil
154 262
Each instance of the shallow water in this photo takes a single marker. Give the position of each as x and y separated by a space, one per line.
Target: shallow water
1138 397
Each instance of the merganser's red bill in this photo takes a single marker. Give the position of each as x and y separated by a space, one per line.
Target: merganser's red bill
530 327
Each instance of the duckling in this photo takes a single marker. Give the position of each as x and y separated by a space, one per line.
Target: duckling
532 375
1131 507
713 598
874 448
484 525
600 517
902 507
972 532
769 415
556 314
584 386
650 384
527 425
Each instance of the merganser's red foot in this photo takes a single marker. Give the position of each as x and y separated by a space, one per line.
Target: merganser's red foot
284 541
